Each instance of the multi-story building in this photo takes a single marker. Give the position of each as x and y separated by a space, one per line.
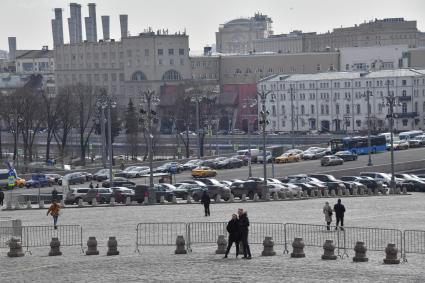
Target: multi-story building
35 61
337 101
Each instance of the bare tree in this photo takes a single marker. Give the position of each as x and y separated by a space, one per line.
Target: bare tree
50 120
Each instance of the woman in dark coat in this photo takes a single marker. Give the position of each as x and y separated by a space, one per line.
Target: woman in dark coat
234 234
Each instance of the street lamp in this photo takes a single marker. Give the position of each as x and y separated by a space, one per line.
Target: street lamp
264 122
368 94
104 101
250 103
149 98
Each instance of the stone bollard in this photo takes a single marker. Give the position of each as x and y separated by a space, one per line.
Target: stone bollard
41 204
299 194
189 199
298 248
319 193
328 250
112 247
62 203
180 245
218 198
397 190
55 245
391 191
283 195
376 192
361 191
243 197
256 197
332 193
326 193
174 199
128 201
404 190
29 206
9 205
15 247
94 202
384 192
355 191
275 196
360 252
391 255
369 191
92 246
267 198
231 198
340 192
347 192
80 203
290 195
268 245
221 245
305 194
312 193
112 201
161 200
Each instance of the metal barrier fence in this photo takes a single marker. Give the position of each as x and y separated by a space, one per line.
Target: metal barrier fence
160 234
413 242
6 233
257 232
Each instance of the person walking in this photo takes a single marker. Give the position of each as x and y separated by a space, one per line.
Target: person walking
339 209
205 200
91 185
54 212
97 185
327 211
234 234
243 227
1 197
54 194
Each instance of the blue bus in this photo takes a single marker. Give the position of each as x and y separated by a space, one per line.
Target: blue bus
359 145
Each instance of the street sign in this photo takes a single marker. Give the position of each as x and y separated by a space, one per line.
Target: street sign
11 179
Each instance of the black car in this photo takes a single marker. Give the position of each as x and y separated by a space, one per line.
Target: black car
331 182
212 163
368 182
170 167
249 188
101 175
346 155
214 188
188 189
119 182
73 178
142 192
229 163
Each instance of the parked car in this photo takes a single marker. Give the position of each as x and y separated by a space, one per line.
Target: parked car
142 192
330 160
75 194
214 188
102 195
20 182
191 164
238 132
400 145
346 155
229 163
202 172
121 193
197 182
54 177
38 180
123 173
315 153
331 182
87 175
249 188
137 172
185 190
169 167
269 157
288 157
382 177
417 141
118 182
367 181
101 175
73 178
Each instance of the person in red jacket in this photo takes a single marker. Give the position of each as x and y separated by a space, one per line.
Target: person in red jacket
54 212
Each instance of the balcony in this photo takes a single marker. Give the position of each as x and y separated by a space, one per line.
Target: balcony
405 98
406 115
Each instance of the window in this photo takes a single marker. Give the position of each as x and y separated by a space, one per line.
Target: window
160 52
159 61
416 107
283 108
312 109
404 108
347 109
358 109
121 77
337 109
405 121
181 51
327 109
322 109
403 82
172 75
273 110
181 61
146 52
318 67
380 108
302 110
170 51
105 77
404 93
171 61
138 76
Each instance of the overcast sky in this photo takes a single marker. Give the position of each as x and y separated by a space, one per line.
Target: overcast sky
29 20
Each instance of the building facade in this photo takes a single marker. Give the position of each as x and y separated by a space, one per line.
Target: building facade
336 102
35 61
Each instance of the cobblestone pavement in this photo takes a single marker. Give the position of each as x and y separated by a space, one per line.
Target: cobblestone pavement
160 264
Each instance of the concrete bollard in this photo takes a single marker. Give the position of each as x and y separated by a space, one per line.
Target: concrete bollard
347 192
299 194
180 245
9 205
328 250
15 248
94 202
55 245
319 193
283 195
290 195
391 254
17 206
332 193
312 193
128 201
369 191
112 247
174 199
80 203
218 198
305 194
298 248
397 190
360 252
384 192
361 191
391 191
267 198
62 203
189 199
112 201
376 192
92 246
275 196
161 200
29 206
231 198
41 204
221 245
355 191
404 190
256 198
326 193
243 197
268 245
340 192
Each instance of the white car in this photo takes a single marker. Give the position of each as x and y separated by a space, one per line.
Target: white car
138 172
268 157
75 194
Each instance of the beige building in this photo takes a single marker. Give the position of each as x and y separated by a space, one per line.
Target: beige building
125 68
35 61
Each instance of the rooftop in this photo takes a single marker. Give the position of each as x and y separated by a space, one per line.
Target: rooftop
34 54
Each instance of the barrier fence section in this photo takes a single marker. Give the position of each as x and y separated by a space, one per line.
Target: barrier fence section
413 242
41 236
205 232
258 231
6 233
159 234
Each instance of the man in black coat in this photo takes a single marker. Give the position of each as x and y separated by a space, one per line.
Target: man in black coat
205 200
234 235
243 228
54 194
339 213
1 197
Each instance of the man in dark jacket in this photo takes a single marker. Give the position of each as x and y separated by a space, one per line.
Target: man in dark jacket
234 235
1 197
243 228
339 213
54 194
205 200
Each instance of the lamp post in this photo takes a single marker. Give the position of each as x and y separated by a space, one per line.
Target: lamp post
264 122
104 101
250 103
369 145
149 98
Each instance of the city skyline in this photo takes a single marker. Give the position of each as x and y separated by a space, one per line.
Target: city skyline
300 15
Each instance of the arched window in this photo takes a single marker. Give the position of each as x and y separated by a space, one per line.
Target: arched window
404 108
171 75
138 76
